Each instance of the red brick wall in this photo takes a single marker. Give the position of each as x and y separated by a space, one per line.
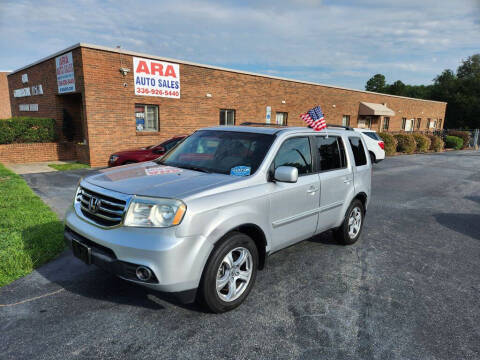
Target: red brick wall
50 104
36 152
5 111
108 106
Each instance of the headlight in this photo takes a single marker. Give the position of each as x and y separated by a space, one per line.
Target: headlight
114 158
151 212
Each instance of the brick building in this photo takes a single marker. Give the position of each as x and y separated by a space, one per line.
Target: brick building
112 99
5 111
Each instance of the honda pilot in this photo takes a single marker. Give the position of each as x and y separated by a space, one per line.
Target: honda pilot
200 221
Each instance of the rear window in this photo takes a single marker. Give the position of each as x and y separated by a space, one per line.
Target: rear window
372 135
358 151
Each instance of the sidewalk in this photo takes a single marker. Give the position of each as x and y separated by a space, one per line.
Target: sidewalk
34 168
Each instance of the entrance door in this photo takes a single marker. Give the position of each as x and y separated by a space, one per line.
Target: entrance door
294 206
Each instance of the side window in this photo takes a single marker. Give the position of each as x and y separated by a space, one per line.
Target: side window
331 153
295 152
358 151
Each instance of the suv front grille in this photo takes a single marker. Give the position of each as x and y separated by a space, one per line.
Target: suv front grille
102 209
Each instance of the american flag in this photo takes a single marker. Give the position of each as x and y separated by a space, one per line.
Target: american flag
314 118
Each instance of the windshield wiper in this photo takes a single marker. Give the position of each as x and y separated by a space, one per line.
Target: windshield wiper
194 168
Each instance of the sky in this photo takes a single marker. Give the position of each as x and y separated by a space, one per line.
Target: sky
340 43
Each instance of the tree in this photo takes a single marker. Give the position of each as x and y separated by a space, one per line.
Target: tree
376 83
470 68
461 90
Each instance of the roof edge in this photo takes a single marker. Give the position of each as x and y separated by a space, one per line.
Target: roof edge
133 53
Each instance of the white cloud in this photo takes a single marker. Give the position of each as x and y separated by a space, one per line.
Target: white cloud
343 42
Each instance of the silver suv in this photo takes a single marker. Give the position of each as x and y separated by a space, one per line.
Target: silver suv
200 221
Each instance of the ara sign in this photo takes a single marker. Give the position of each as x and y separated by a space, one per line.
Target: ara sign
156 78
65 73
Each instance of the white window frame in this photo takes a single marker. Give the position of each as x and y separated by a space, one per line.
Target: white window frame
226 112
345 120
147 110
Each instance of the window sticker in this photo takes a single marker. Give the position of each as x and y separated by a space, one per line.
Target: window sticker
240 171
161 170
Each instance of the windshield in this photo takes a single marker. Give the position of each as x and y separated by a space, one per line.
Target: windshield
224 152
372 135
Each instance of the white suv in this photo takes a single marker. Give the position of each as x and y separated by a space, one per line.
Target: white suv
375 145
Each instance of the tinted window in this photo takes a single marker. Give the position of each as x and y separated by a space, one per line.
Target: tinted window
219 151
331 152
358 151
295 152
372 135
171 144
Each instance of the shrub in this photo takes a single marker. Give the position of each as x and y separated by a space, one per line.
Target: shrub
405 143
436 143
453 142
423 142
390 143
465 135
27 130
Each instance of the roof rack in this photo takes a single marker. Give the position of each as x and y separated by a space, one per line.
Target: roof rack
249 123
340 126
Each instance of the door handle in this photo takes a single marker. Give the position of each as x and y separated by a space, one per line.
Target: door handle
312 190
347 181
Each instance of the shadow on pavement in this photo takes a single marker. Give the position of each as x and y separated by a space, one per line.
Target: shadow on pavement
91 282
473 198
467 224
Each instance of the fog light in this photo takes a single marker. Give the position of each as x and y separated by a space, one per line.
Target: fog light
143 273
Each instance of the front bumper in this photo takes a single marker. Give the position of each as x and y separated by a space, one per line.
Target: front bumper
177 263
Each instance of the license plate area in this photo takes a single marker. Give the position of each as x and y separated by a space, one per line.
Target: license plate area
82 251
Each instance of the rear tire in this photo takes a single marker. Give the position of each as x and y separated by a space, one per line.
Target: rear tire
372 157
351 228
229 274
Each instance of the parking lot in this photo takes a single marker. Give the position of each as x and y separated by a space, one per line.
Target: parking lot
408 289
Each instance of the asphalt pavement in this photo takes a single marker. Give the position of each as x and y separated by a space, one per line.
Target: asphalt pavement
408 289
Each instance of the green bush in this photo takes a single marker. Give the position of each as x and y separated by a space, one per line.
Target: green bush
423 142
436 143
405 143
453 142
465 135
390 143
27 130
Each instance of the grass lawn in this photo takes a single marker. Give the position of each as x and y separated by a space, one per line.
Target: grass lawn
30 233
68 166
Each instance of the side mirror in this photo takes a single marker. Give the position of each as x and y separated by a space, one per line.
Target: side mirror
287 174
159 150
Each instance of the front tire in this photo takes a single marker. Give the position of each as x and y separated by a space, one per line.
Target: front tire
351 228
230 273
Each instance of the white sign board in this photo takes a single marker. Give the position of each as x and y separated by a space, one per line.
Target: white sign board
156 78
65 73
268 115
24 78
21 92
28 107
37 90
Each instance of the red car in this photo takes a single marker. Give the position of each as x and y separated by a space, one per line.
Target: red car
144 154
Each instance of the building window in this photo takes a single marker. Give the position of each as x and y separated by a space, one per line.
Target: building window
281 118
419 122
146 117
427 125
346 120
227 117
439 123
404 121
386 123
